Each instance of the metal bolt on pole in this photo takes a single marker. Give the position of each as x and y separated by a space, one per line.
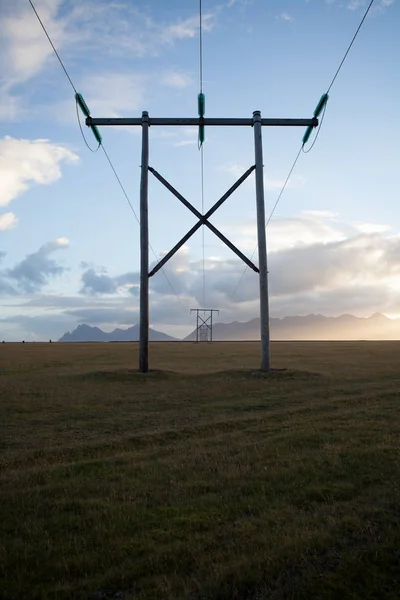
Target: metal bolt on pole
144 250
262 243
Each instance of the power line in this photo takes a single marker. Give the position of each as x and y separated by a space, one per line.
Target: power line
349 48
120 184
100 144
52 45
201 46
284 185
270 216
316 137
138 221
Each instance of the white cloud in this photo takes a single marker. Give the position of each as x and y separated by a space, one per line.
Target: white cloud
372 228
295 181
11 106
24 162
107 27
311 227
25 47
234 169
188 28
317 264
237 170
285 16
118 94
114 94
184 143
61 242
314 260
358 4
175 80
107 31
7 221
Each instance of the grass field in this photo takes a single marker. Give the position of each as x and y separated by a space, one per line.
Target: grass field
203 479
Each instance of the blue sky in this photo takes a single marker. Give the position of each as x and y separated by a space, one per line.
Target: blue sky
69 242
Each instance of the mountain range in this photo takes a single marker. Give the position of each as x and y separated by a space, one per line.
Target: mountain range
310 327
86 333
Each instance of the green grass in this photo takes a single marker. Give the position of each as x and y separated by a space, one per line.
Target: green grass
204 479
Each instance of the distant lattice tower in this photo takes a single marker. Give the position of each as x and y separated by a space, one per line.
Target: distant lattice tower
204 323
204 333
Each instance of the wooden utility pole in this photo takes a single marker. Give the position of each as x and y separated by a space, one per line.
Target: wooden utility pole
257 123
144 249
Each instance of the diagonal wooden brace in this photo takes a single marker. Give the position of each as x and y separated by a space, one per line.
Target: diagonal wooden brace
202 220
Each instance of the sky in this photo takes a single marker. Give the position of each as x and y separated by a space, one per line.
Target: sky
69 241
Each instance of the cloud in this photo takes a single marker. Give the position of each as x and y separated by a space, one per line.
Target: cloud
24 162
105 316
118 93
34 271
115 94
285 16
187 28
381 5
358 4
11 106
111 29
236 170
39 327
317 264
313 259
175 79
24 45
7 221
94 283
184 143
97 282
107 32
244 3
6 289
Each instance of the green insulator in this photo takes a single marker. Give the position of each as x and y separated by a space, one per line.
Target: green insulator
201 103
321 105
96 133
307 134
201 134
82 105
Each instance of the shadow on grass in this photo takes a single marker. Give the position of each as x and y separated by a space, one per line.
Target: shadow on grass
122 375
273 374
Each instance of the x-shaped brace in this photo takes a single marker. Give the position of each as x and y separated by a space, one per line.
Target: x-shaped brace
203 220
205 321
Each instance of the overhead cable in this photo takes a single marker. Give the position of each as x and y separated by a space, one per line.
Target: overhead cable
79 101
321 107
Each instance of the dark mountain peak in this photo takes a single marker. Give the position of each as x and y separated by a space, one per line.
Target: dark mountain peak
86 333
